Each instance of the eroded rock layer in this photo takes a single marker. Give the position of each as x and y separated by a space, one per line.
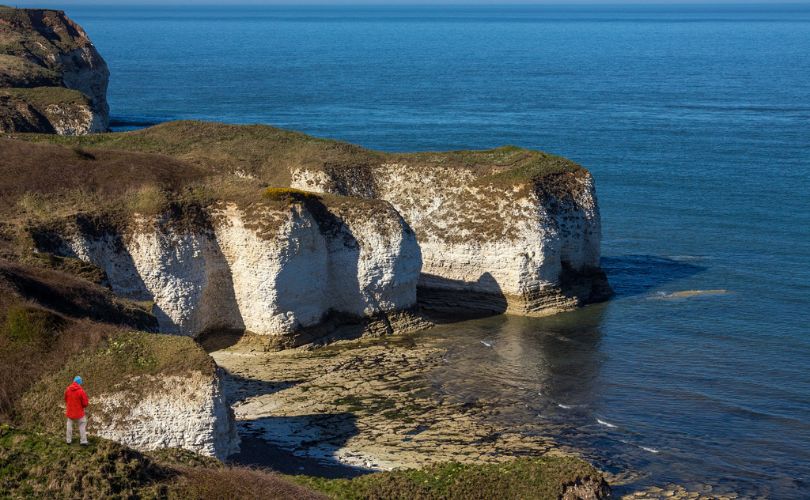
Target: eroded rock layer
530 247
179 411
277 269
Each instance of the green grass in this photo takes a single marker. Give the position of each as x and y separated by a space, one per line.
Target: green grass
34 464
31 325
290 195
37 465
525 478
270 153
41 97
503 165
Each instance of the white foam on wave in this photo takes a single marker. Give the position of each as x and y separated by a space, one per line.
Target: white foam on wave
569 407
651 450
686 257
605 423
688 294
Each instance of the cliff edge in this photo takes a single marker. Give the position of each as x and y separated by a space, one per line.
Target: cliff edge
52 78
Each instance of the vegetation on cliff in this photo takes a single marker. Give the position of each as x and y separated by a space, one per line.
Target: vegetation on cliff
33 464
52 79
270 154
180 164
548 477
125 361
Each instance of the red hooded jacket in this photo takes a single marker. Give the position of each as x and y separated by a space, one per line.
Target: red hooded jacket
75 401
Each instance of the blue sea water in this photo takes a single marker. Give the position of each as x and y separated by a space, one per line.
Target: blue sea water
695 122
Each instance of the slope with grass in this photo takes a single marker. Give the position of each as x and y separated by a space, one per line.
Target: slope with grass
147 390
33 464
52 79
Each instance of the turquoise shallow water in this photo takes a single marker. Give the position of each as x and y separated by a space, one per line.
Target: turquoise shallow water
695 122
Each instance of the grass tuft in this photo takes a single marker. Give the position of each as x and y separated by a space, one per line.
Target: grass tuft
289 195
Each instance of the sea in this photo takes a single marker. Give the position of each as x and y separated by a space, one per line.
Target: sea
695 122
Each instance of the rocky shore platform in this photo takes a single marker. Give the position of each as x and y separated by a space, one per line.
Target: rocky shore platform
361 406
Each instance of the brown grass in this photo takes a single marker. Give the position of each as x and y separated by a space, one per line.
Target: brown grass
23 363
19 72
57 177
47 317
270 154
70 296
228 483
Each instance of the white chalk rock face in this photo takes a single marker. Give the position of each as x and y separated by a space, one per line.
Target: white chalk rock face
188 412
529 248
75 119
275 271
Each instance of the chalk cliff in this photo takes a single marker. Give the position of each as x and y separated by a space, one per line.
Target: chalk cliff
492 238
280 267
502 230
186 411
52 78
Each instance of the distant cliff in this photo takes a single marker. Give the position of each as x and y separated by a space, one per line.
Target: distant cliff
52 78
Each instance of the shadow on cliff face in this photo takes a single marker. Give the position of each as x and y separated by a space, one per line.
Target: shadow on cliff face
301 444
239 389
448 300
638 274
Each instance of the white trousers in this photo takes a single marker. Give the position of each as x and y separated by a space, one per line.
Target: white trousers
82 430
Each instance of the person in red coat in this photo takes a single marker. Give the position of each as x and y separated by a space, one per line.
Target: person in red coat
75 402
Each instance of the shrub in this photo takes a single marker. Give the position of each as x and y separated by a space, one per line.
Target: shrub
146 200
31 325
289 195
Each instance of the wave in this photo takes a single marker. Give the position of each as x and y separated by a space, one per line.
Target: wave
570 407
606 423
687 294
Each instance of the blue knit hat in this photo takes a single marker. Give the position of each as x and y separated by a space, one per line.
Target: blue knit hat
77 379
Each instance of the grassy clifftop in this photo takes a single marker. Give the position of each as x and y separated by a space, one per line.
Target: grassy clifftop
37 465
270 153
